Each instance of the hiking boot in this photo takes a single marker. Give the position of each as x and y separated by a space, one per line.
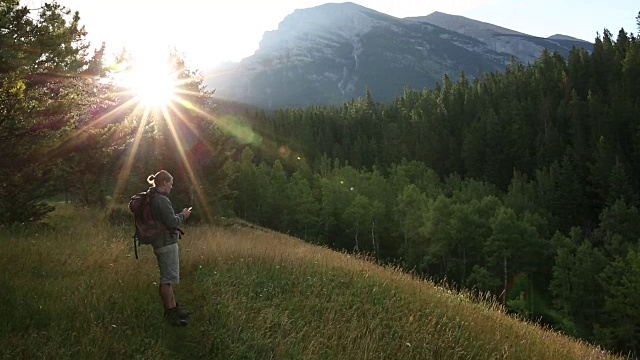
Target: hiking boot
173 318
182 312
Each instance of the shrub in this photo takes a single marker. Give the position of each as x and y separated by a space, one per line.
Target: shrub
119 215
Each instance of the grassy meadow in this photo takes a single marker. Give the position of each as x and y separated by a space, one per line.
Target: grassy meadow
74 290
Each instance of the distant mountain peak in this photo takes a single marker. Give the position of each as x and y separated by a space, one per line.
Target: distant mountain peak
525 47
343 6
466 26
332 20
330 11
564 37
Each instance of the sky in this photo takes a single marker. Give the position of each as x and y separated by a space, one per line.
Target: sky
208 32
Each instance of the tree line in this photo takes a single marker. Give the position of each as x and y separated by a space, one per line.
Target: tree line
522 184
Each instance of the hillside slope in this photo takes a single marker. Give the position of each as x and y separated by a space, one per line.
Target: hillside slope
75 291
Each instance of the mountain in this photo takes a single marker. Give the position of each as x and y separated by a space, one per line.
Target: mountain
565 37
466 26
525 47
333 52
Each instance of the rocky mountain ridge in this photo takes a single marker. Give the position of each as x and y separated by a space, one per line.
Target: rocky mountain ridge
333 52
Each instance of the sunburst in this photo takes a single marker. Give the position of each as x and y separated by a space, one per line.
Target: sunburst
153 83
157 87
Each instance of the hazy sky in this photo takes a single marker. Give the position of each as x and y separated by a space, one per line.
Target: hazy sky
212 31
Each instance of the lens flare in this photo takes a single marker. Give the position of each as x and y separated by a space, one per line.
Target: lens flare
242 133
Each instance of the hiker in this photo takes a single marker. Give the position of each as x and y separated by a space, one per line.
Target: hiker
165 244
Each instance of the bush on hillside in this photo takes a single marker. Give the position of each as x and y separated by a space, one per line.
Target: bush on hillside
119 215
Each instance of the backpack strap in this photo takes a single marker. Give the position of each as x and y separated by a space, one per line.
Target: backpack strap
135 245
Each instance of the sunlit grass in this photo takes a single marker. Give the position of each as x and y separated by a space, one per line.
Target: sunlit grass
76 291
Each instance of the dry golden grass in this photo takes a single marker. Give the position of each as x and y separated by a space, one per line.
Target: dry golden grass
77 291
426 312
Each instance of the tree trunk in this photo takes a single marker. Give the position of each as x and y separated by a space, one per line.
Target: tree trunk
356 249
405 236
85 192
373 237
531 294
464 265
504 290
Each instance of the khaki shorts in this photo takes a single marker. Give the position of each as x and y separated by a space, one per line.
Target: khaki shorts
168 263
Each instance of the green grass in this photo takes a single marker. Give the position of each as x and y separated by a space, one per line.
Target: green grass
75 291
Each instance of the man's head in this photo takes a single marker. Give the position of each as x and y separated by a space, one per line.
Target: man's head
162 180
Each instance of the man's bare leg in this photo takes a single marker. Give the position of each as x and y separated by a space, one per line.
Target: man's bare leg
167 296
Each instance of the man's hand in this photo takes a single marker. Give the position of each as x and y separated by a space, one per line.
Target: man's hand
186 213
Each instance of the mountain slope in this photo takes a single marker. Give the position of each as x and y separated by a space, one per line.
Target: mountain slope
525 47
332 53
466 26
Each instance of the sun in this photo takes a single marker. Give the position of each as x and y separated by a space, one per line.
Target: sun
151 81
154 89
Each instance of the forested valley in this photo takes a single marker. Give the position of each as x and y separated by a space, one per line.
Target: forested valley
522 184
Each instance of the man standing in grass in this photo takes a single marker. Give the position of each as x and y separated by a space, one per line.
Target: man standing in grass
165 244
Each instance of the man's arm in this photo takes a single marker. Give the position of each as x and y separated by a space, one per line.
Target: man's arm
167 216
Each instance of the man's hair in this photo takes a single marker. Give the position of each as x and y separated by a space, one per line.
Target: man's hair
159 178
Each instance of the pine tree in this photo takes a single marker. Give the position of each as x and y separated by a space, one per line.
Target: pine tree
619 327
44 96
620 186
279 204
305 220
618 229
509 239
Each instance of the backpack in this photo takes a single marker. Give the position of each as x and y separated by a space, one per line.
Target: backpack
145 225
